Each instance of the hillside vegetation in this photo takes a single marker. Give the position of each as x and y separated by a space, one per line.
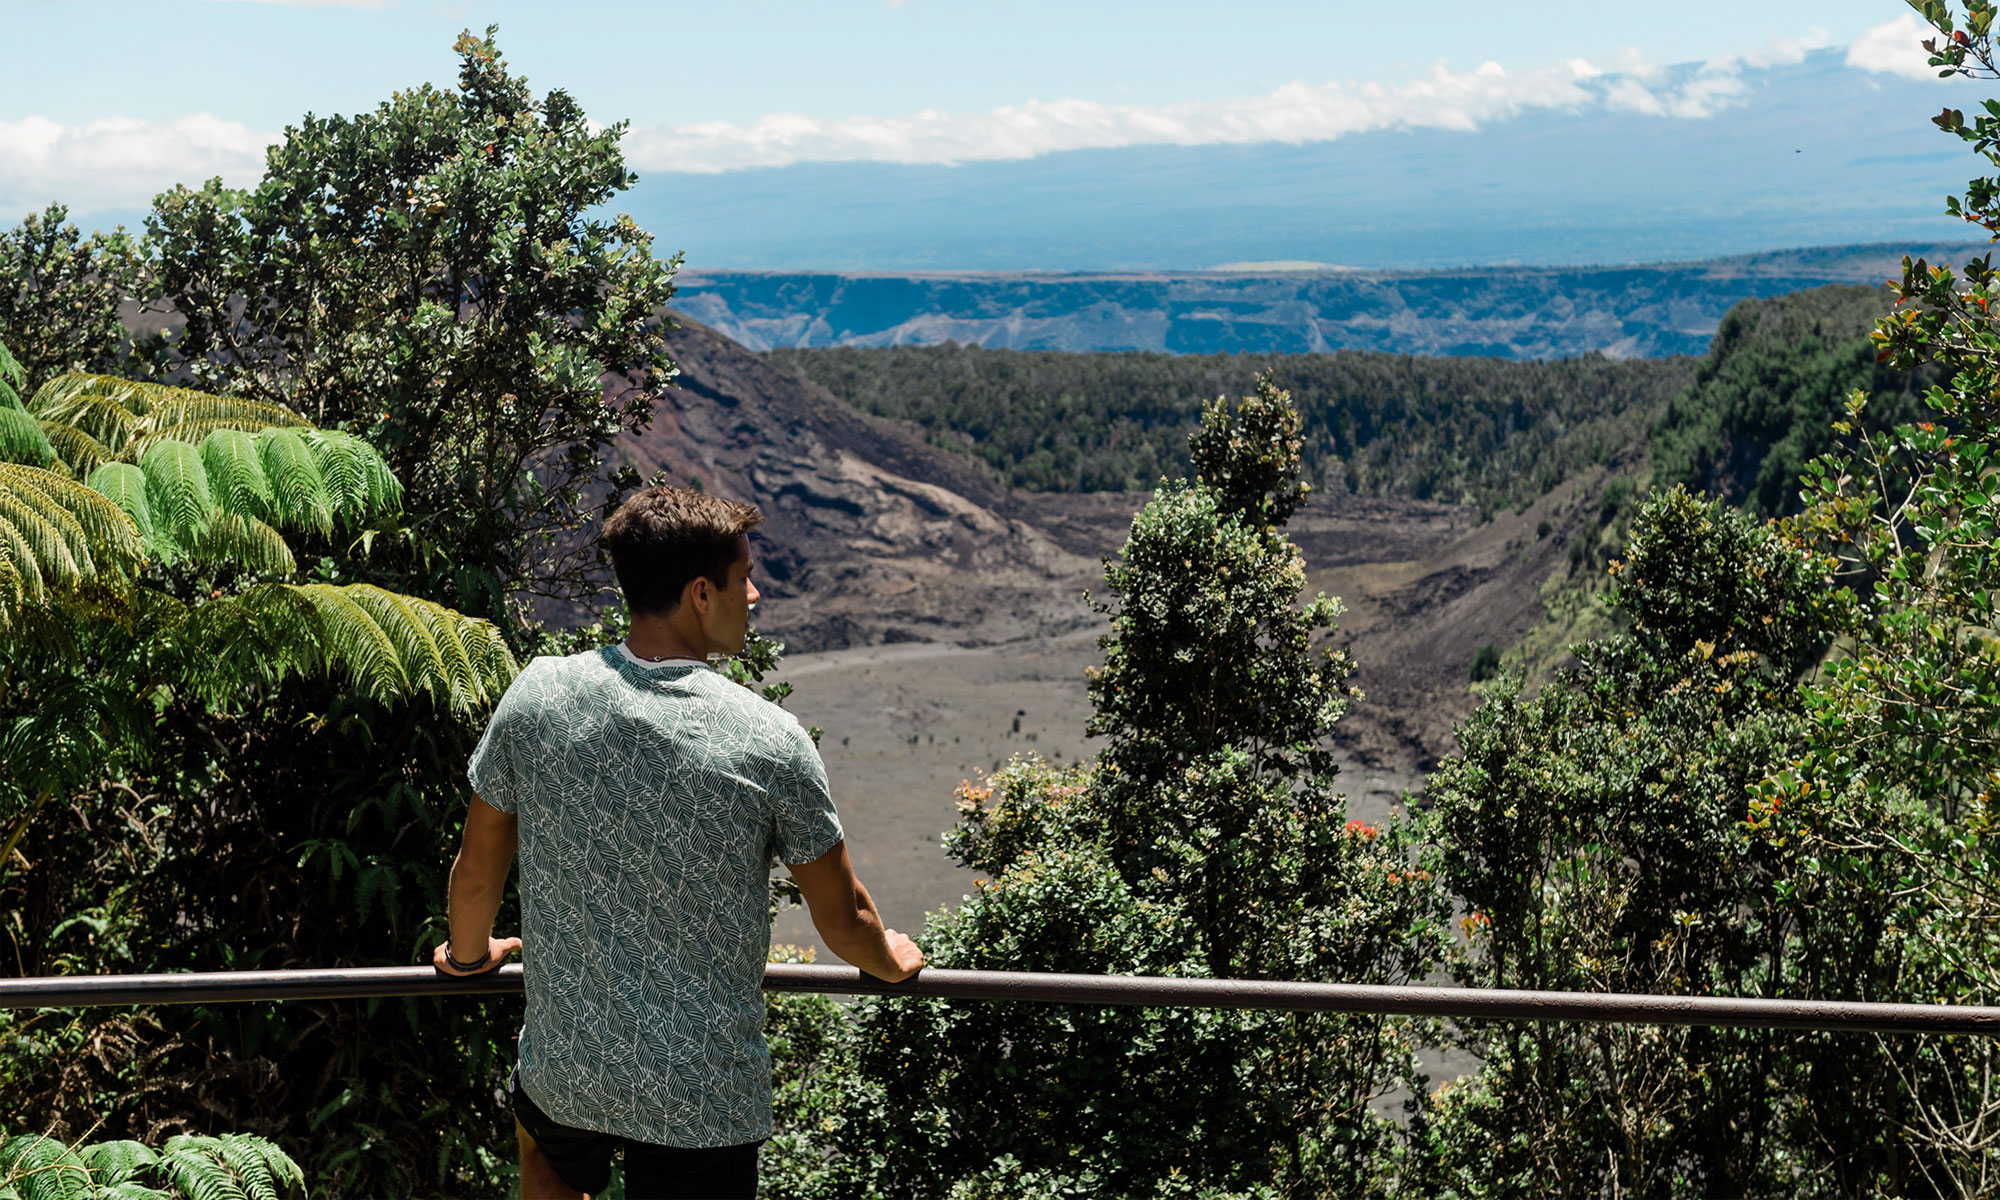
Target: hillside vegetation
1490 431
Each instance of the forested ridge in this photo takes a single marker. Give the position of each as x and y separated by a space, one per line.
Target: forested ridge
263 575
1488 431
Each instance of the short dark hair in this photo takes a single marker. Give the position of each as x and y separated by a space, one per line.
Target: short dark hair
663 538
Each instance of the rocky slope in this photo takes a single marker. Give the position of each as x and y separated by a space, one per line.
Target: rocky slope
874 537
870 535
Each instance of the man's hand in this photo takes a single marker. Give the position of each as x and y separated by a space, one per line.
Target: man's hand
497 950
847 920
478 881
904 954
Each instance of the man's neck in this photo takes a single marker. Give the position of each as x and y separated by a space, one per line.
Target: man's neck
657 639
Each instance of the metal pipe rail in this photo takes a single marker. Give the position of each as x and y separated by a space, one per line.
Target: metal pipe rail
75 991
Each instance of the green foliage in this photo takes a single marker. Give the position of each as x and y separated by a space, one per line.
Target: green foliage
186 1167
439 276
1206 840
60 294
1491 431
1600 837
58 538
1764 401
13 378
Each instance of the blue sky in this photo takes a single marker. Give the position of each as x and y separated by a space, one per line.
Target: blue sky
106 101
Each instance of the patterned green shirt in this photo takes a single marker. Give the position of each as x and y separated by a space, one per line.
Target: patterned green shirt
652 799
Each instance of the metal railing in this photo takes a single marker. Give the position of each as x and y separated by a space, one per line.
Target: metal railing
75 991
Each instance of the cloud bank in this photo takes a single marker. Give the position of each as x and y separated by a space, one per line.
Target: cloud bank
1895 48
1440 98
120 163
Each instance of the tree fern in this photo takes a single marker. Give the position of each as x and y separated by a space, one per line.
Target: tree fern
177 492
298 486
234 1166
79 451
42 1168
118 411
57 535
382 645
22 440
222 474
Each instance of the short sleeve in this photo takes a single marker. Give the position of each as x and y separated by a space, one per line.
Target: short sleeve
491 770
804 824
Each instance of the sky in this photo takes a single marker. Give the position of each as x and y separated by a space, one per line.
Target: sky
106 101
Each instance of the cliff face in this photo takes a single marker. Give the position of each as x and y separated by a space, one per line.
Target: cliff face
1512 312
870 534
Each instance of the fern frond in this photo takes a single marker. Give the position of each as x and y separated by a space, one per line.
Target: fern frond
130 1191
357 478
129 416
91 403
73 446
22 440
177 492
173 408
125 485
236 473
115 1162
261 1166
424 664
389 647
245 542
42 1168
195 1170
57 534
298 490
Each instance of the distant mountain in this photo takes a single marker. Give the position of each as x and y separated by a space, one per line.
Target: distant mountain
1508 312
1809 153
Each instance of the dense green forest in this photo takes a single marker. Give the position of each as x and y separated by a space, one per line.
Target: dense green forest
1740 422
1479 429
262 577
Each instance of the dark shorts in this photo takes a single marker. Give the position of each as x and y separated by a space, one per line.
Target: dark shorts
583 1158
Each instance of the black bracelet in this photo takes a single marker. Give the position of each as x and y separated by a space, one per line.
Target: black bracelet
456 965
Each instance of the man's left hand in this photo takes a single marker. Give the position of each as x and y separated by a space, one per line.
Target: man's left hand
497 950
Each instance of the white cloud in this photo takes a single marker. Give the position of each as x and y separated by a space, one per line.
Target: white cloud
1895 48
1296 112
119 162
1440 98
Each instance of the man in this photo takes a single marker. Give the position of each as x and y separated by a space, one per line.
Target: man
647 796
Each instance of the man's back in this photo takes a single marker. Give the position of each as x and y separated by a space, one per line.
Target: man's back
651 799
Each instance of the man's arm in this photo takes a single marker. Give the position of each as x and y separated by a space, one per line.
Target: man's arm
478 882
847 920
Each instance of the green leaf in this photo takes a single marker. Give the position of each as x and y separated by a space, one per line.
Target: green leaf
236 474
358 481
42 1168
57 535
83 453
115 1162
177 492
12 379
298 490
125 485
247 543
22 440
